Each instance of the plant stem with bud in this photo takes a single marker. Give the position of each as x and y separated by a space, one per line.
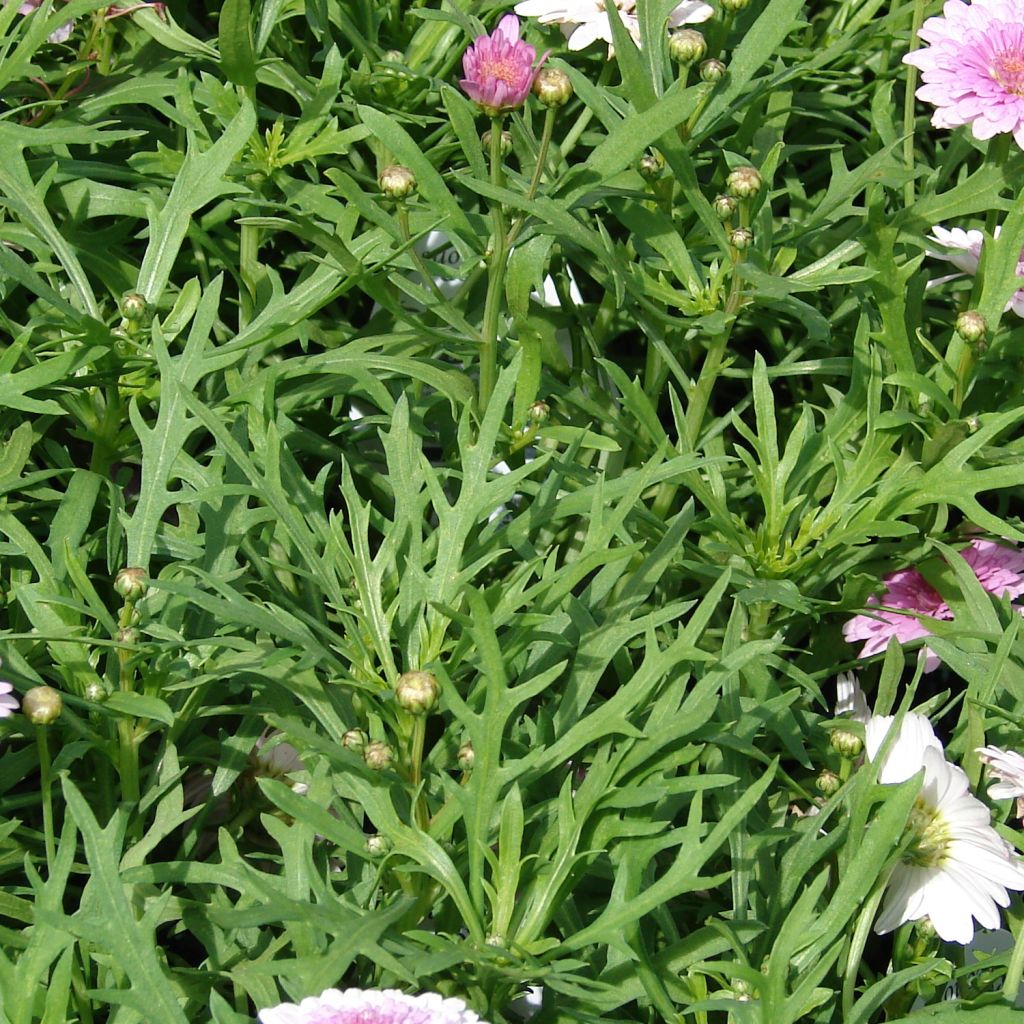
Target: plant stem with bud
495 280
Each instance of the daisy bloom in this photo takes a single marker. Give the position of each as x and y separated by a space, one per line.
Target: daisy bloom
499 68
585 21
963 250
956 869
999 568
909 595
1008 767
371 1006
850 699
278 760
973 71
8 703
59 35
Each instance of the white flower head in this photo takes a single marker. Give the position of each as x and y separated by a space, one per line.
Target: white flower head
371 1006
957 869
277 760
585 21
8 702
1008 767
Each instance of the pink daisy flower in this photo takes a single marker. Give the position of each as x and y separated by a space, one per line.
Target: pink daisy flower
999 568
499 68
1007 767
973 71
963 250
371 1006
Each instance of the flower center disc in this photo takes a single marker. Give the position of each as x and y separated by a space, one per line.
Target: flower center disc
1008 70
931 836
505 70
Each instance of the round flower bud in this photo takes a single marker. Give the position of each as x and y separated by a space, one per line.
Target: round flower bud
130 583
725 207
828 782
378 755
355 739
42 705
552 87
971 326
397 182
686 46
128 635
712 71
95 693
133 306
539 412
743 182
506 142
651 164
740 238
417 692
467 756
378 845
732 6
846 744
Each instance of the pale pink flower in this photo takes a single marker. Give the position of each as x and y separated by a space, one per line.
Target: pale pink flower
1000 569
963 250
1008 767
909 595
956 868
371 1006
586 21
8 702
59 35
973 71
499 68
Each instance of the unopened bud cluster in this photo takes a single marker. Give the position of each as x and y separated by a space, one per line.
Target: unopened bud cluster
712 71
505 146
725 207
828 782
397 181
133 306
845 743
378 755
740 238
130 583
552 87
355 740
733 6
686 46
466 756
417 692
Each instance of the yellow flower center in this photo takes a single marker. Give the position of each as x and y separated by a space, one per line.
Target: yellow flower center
505 70
929 847
1008 70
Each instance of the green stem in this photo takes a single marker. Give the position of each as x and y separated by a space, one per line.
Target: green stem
419 733
908 103
248 265
538 171
46 784
128 749
1011 983
495 280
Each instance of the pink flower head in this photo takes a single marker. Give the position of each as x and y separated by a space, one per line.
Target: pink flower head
371 1006
499 68
1000 569
963 250
909 592
973 72
58 35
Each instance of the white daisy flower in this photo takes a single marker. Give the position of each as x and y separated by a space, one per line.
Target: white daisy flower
957 869
1008 767
8 702
371 1006
277 760
585 21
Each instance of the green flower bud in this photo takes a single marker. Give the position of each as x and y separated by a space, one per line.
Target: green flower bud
743 182
686 46
845 743
95 693
971 326
397 182
539 412
378 755
740 238
733 6
506 142
828 782
417 692
128 635
651 164
712 71
378 845
355 740
42 705
552 87
133 306
725 207
130 583
466 756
